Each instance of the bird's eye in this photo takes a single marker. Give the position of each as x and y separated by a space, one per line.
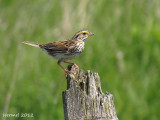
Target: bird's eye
84 33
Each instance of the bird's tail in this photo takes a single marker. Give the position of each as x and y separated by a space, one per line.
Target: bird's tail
31 43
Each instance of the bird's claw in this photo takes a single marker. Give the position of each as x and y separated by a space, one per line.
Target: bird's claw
76 67
67 71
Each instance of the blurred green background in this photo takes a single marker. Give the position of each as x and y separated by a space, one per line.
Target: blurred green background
125 51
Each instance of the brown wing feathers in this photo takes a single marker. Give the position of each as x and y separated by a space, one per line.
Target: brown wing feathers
55 47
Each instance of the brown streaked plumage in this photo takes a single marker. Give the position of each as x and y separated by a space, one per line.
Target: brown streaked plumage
65 50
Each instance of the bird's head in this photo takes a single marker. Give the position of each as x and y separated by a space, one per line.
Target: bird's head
82 35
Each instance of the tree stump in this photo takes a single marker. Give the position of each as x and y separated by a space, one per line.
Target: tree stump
84 99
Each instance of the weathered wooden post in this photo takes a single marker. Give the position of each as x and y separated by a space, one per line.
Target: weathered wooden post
84 99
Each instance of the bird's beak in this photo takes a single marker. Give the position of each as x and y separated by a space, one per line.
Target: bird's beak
90 34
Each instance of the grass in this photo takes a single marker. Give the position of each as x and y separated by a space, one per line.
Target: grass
124 51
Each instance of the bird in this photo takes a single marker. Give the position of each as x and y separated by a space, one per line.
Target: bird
65 50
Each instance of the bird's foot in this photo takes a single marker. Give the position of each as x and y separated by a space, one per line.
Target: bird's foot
76 67
67 71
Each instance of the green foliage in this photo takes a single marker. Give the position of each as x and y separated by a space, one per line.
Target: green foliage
125 51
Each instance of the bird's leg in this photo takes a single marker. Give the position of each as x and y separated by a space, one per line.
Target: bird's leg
66 71
72 64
